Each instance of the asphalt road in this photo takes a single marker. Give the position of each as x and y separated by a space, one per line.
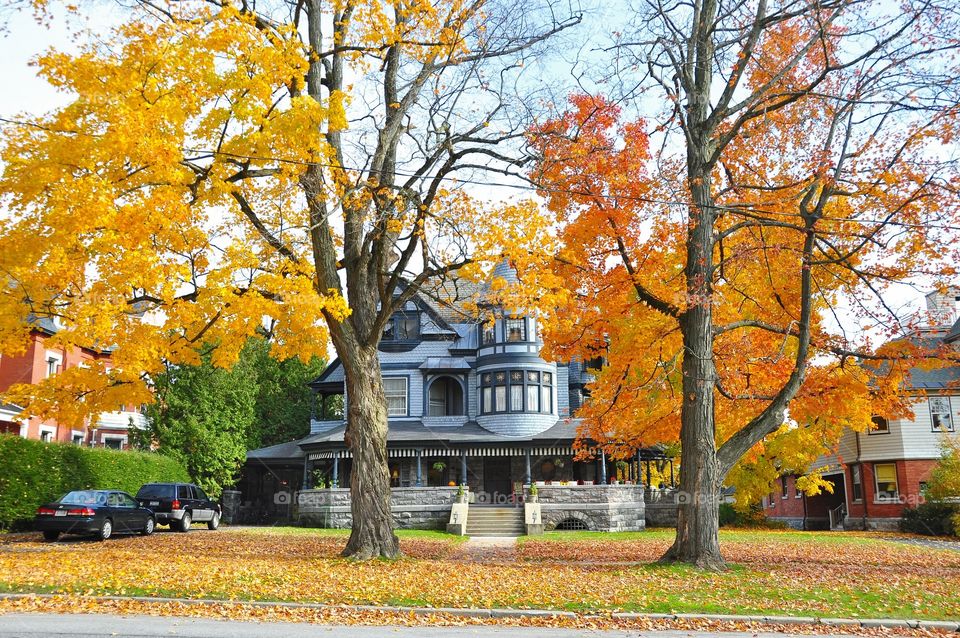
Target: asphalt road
95 625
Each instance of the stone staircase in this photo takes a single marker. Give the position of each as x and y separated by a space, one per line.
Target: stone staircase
487 520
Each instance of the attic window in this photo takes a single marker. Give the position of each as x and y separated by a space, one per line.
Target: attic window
402 327
880 425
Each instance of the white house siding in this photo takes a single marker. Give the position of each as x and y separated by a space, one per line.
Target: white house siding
920 441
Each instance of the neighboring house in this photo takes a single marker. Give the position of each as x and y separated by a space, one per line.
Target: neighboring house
42 360
470 401
880 472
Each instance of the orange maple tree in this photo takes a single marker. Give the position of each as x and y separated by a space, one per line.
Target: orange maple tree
733 278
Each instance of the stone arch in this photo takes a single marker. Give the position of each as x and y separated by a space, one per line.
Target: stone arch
551 520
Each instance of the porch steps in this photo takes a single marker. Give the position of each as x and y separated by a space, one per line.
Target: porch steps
487 520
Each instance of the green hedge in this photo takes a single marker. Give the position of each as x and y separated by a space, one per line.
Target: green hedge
33 473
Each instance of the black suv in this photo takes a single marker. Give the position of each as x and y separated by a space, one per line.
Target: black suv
179 505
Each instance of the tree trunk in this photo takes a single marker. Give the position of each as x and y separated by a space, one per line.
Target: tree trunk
371 534
698 518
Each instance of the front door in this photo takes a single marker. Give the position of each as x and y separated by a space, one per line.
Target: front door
496 479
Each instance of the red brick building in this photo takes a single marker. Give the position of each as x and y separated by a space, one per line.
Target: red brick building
41 360
880 472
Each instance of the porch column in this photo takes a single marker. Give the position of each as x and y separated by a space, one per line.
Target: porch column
463 467
640 470
603 467
528 474
648 472
335 475
671 474
419 470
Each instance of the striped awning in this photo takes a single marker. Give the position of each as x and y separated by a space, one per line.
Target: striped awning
451 452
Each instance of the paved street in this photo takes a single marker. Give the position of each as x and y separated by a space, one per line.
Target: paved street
90 625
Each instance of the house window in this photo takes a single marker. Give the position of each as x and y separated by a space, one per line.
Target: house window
546 400
77 439
940 417
880 425
488 333
395 388
856 483
796 488
446 397
783 487
885 475
54 362
46 436
113 443
516 329
516 391
402 327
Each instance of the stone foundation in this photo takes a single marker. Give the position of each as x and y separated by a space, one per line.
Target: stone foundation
661 510
412 507
606 508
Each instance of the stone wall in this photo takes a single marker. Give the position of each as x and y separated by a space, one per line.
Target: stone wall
412 507
661 507
607 508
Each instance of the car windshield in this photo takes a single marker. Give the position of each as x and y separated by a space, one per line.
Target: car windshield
155 491
84 497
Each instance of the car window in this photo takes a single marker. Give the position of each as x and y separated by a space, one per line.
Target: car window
126 500
155 491
200 493
183 491
79 497
113 499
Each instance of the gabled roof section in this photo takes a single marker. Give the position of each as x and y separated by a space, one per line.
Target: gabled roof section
954 334
332 375
451 298
290 450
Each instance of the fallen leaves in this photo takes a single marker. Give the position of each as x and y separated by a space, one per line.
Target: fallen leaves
826 575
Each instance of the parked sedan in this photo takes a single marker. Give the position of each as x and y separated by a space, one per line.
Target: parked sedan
100 513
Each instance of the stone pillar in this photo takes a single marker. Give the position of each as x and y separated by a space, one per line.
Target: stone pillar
230 499
528 474
463 467
419 469
335 474
307 474
603 467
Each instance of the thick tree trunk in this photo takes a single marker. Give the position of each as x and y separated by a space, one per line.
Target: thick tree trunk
371 535
698 518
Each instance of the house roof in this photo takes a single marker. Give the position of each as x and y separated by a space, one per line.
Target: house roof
445 363
290 450
470 433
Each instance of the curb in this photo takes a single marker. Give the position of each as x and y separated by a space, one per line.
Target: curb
862 623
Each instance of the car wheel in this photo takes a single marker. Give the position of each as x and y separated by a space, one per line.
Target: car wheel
186 522
214 522
51 536
149 527
106 530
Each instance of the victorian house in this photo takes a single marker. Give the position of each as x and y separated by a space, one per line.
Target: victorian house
470 402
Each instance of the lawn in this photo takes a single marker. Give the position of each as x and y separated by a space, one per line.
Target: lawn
782 573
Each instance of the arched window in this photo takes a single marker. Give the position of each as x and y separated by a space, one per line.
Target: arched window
446 397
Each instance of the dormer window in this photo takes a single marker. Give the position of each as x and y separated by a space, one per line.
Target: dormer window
402 327
516 329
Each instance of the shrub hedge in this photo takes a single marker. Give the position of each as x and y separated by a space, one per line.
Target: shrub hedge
33 473
933 518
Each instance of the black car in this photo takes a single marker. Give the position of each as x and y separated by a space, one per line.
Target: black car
179 505
100 513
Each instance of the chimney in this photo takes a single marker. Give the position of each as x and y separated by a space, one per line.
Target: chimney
943 306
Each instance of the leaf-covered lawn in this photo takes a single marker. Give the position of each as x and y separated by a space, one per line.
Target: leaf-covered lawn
816 574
